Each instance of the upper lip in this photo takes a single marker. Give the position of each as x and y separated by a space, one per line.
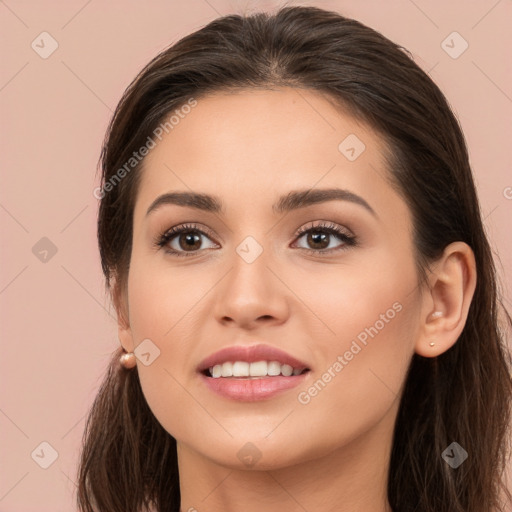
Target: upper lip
250 354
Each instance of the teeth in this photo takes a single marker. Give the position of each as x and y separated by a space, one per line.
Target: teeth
227 369
286 370
274 368
240 369
256 369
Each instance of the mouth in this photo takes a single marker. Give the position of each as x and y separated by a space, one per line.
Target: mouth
254 370
250 373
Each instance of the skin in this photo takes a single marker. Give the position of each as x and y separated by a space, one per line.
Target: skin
331 453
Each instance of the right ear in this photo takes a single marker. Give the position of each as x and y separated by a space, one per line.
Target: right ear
120 300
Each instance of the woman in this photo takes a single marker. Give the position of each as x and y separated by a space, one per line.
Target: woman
306 298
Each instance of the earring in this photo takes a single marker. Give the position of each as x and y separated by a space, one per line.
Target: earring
435 314
128 360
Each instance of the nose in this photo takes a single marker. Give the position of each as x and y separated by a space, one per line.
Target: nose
251 295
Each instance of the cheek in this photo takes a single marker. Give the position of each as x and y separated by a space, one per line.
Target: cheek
368 361
365 311
365 355
162 308
162 302
363 372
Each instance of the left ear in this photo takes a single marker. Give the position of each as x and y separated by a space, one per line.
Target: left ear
446 304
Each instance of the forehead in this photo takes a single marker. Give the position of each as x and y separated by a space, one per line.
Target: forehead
252 146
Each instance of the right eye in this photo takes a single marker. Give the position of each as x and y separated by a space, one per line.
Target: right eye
188 236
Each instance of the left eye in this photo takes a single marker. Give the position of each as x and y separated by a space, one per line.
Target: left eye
319 235
189 238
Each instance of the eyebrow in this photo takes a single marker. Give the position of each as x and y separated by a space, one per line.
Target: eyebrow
294 200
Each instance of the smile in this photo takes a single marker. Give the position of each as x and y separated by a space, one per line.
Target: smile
253 370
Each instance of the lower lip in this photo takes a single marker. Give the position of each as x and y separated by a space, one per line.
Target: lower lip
250 389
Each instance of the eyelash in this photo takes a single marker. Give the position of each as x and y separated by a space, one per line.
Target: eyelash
349 240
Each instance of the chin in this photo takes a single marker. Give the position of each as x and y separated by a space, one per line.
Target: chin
258 453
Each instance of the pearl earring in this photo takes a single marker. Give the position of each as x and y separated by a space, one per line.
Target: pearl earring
128 360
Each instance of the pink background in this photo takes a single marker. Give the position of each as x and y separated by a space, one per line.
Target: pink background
58 329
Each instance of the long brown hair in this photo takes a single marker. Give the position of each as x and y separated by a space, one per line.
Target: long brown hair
128 461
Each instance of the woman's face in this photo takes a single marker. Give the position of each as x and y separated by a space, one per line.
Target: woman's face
348 312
